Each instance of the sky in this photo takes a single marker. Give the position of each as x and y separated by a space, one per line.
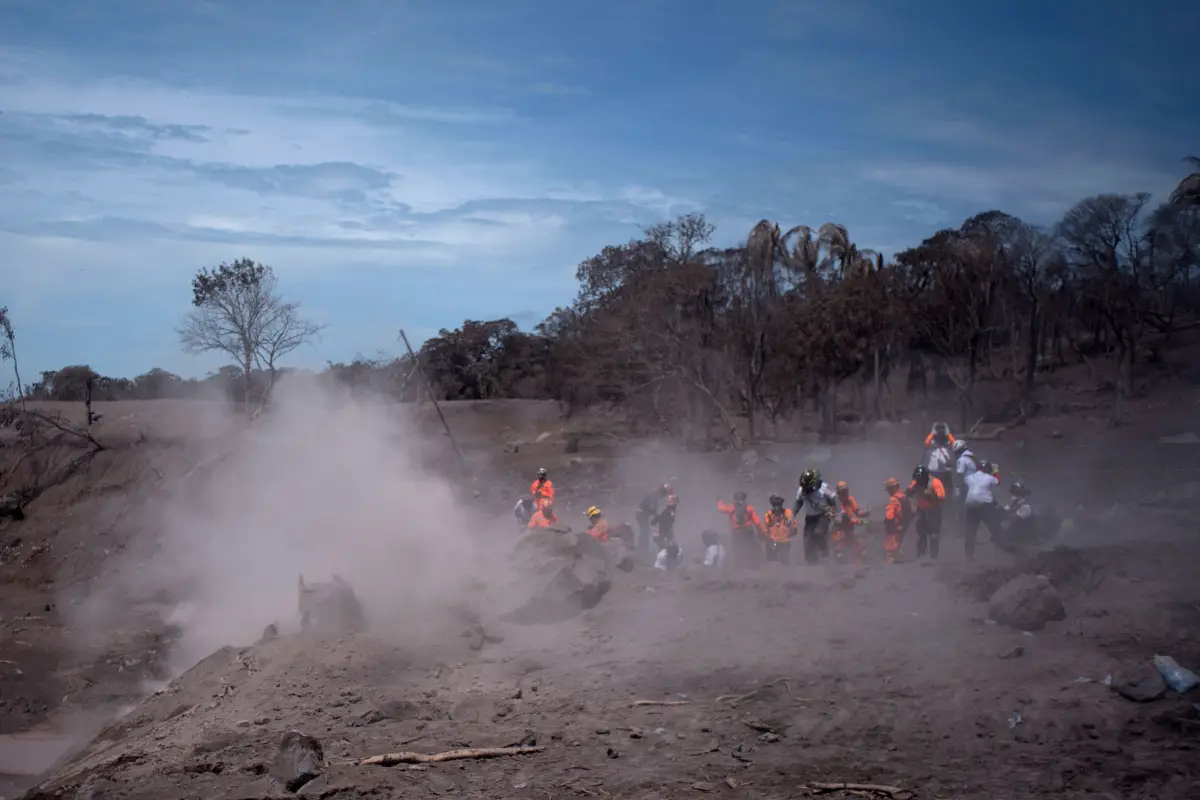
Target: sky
414 163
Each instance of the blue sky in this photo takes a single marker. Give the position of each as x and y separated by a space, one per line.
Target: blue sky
414 163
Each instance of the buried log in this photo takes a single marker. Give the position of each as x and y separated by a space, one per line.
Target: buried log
391 759
734 699
870 788
643 703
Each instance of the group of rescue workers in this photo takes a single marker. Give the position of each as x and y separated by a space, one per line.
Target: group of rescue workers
949 476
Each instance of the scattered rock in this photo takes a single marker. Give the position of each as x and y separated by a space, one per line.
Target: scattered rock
704 786
1014 652
1140 684
1027 603
298 761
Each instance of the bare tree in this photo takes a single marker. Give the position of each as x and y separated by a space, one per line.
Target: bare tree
8 350
237 311
1187 193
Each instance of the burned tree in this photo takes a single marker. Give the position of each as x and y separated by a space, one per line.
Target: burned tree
237 311
8 350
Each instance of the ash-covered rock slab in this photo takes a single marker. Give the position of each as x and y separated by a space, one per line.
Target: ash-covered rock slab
1027 603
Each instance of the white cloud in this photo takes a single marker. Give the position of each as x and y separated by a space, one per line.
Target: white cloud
359 172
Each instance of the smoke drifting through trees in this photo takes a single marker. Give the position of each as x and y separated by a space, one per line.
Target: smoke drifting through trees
689 338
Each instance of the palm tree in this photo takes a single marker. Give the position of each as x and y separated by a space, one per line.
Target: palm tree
804 256
840 250
1187 193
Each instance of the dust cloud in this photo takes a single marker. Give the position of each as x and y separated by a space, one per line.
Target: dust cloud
324 484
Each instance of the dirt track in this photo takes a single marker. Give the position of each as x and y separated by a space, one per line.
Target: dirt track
900 680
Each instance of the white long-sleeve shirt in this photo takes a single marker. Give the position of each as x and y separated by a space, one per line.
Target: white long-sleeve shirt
714 556
940 459
817 502
981 488
966 464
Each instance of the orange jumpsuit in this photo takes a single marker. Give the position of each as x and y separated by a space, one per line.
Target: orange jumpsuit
780 529
542 491
744 527
930 501
748 519
843 529
895 522
599 529
540 520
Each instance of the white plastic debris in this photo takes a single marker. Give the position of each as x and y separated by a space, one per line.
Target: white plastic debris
1178 678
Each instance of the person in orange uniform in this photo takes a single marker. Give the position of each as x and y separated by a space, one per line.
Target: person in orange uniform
744 527
542 489
850 516
931 499
895 519
544 517
598 525
780 527
940 436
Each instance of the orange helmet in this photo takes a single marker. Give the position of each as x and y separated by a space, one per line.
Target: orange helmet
891 484
843 487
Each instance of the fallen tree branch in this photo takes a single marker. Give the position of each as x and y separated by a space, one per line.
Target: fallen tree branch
642 703
60 424
13 469
391 759
1001 430
872 788
734 699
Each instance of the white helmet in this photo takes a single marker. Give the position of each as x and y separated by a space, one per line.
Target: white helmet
960 446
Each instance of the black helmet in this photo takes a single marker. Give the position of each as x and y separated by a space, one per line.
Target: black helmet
541 473
776 500
1017 489
985 466
810 478
739 497
921 475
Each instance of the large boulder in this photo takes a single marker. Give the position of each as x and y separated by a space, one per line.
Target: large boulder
557 574
330 607
1027 603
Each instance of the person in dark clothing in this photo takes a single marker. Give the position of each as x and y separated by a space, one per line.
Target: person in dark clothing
666 517
647 513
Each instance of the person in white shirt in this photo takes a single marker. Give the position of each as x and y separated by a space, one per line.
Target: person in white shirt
523 511
964 465
820 504
980 504
714 551
670 556
939 456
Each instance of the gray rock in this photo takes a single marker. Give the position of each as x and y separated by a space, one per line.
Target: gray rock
1140 684
1027 603
298 761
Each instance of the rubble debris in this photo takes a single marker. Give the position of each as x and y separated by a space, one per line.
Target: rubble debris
560 574
299 760
1027 603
